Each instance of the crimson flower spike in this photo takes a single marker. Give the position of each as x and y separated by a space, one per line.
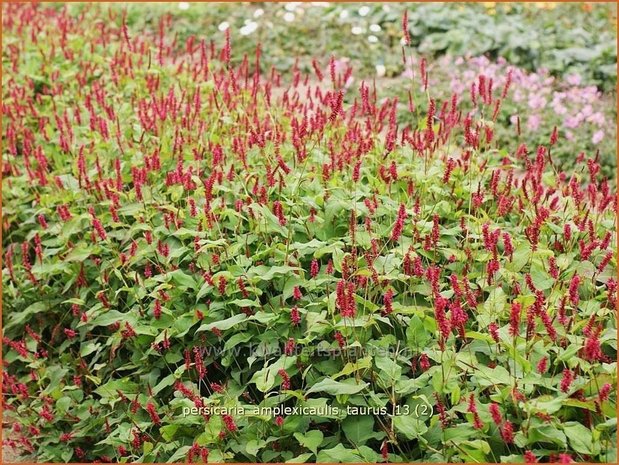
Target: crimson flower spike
407 38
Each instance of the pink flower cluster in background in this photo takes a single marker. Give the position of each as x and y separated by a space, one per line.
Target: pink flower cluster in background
537 98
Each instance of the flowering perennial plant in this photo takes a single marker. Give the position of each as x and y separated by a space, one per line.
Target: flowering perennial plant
184 231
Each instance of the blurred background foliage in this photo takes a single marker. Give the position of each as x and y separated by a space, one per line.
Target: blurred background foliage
563 38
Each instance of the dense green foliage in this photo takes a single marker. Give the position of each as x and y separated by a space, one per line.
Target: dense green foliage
182 230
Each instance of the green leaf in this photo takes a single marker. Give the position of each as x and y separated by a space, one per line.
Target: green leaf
88 348
589 405
353 367
474 451
164 383
334 388
514 458
496 301
179 454
147 447
111 316
223 325
338 454
267 273
486 376
547 434
303 458
310 440
15 318
579 436
305 248
168 432
253 446
547 404
522 254
409 426
388 369
204 289
183 280
109 389
265 379
63 404
358 429
416 334
540 277
79 254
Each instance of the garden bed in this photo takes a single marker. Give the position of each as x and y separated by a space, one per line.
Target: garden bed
208 260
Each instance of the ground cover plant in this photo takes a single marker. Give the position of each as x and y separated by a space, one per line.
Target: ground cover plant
185 230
